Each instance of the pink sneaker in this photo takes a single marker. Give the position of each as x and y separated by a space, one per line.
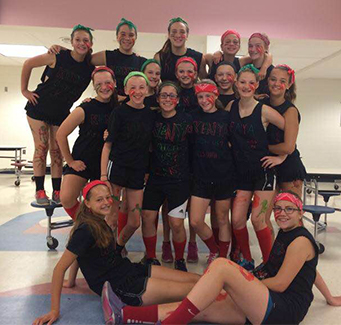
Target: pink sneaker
192 253
167 256
42 198
211 257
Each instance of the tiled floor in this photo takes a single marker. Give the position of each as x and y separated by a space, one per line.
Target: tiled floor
25 261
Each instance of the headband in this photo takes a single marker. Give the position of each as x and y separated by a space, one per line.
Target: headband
290 198
126 22
177 20
290 71
103 68
90 185
149 61
207 88
263 37
135 74
186 59
228 32
81 27
249 67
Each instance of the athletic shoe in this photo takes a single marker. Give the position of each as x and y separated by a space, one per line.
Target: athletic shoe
167 256
42 198
236 255
192 253
247 265
152 261
112 306
211 257
56 197
180 265
144 259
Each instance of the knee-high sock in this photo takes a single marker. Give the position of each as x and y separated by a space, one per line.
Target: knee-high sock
242 237
150 243
265 242
72 211
122 221
211 244
140 315
179 248
223 248
185 312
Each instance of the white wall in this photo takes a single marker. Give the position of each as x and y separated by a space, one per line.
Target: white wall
14 129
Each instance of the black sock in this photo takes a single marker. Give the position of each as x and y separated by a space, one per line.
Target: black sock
39 180
56 183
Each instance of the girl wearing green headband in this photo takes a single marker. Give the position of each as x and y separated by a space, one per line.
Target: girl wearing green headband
152 69
50 103
175 48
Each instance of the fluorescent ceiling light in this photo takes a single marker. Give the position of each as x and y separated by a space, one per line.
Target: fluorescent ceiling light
21 51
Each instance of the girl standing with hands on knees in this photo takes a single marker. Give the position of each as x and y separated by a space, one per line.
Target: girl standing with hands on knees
65 78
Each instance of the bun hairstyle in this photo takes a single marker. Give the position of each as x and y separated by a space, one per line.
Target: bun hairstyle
218 104
290 94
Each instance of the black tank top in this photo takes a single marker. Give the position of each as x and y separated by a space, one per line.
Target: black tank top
249 141
66 83
213 69
168 68
299 294
89 144
188 101
122 64
225 99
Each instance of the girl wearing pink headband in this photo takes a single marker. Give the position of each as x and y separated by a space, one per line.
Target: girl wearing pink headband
175 48
229 294
92 244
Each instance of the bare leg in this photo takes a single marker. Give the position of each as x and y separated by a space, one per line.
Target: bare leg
222 208
295 186
165 222
197 217
55 154
71 187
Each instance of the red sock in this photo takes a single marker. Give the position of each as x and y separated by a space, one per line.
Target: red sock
265 242
72 211
216 235
150 243
185 312
122 221
211 244
141 315
242 237
223 248
179 249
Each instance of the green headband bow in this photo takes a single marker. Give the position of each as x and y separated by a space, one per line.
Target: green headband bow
81 27
176 20
135 74
126 22
249 67
149 61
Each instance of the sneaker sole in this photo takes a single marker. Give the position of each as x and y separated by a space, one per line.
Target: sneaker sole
192 261
167 261
43 203
107 311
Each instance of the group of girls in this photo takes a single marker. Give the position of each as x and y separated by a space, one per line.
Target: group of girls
209 145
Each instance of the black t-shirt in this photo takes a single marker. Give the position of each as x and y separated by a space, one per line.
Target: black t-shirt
188 101
168 68
130 132
249 141
65 84
122 64
170 156
263 84
97 265
214 66
225 99
89 144
149 101
212 157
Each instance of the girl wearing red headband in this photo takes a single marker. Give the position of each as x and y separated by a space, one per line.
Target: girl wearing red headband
213 169
279 292
175 48
65 78
92 244
248 122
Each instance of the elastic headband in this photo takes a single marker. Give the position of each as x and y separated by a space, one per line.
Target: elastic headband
186 59
207 88
249 67
81 27
90 185
263 37
135 74
103 68
149 61
126 22
228 32
177 20
290 71
290 198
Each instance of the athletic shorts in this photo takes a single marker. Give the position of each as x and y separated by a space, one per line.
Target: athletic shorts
176 194
126 177
264 183
134 285
55 120
221 190
88 174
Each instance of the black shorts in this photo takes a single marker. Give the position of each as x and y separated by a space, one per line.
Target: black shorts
125 176
221 190
89 173
263 183
52 120
177 195
290 170
134 285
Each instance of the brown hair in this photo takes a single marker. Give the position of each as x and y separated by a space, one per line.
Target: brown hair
89 53
290 94
218 104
